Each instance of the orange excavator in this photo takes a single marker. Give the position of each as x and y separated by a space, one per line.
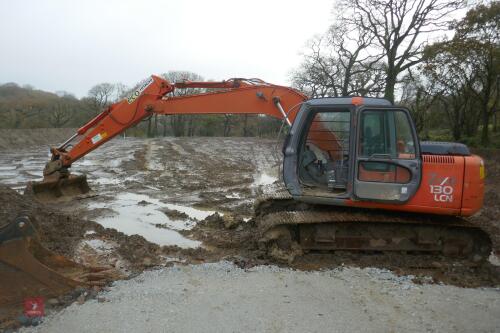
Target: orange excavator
355 176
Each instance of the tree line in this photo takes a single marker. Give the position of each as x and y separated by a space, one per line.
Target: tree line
411 52
26 107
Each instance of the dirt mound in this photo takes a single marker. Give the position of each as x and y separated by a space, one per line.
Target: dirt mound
58 232
16 138
62 233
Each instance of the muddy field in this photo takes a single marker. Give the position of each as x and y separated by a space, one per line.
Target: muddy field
148 194
168 201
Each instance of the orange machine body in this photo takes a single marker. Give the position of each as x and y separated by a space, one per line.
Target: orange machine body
451 185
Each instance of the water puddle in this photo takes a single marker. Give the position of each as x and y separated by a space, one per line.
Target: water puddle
98 245
233 195
93 160
107 181
139 214
8 173
193 213
264 179
16 181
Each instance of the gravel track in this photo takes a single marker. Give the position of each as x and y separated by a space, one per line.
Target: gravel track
221 297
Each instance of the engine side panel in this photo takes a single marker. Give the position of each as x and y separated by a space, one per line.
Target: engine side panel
442 182
473 193
451 185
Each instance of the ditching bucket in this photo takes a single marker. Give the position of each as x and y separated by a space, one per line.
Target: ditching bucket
27 269
53 190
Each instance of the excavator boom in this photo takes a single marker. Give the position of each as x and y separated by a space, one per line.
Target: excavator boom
235 96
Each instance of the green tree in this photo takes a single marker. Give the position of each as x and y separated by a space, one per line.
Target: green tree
465 71
479 31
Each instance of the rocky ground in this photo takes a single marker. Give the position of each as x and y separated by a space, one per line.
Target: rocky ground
220 297
170 202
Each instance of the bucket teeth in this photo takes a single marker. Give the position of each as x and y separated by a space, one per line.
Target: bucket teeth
58 188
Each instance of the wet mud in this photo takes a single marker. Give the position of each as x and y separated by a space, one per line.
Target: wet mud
161 201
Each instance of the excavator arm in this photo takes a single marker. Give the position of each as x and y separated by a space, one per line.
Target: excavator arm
235 96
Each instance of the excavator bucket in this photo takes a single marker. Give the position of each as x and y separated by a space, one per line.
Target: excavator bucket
27 269
58 189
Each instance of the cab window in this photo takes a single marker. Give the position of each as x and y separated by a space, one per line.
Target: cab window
386 134
324 157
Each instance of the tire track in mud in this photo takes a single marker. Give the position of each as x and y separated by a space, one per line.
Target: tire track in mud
221 171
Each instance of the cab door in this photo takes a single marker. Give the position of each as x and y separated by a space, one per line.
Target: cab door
388 166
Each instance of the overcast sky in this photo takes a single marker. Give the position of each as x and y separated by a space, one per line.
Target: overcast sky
72 45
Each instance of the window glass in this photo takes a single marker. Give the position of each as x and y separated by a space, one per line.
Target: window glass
324 157
386 134
404 139
329 132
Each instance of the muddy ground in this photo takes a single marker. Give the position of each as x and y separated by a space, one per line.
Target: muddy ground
159 187
160 202
489 216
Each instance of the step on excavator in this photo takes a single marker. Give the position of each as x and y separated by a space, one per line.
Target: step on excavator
355 176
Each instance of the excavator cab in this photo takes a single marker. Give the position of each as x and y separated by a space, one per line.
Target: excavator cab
360 149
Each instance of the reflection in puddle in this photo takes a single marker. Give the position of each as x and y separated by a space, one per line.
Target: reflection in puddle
132 218
264 179
8 173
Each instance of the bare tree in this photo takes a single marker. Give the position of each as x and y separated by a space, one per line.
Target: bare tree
400 29
338 64
100 96
228 123
65 94
60 113
182 123
418 97
121 91
246 129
